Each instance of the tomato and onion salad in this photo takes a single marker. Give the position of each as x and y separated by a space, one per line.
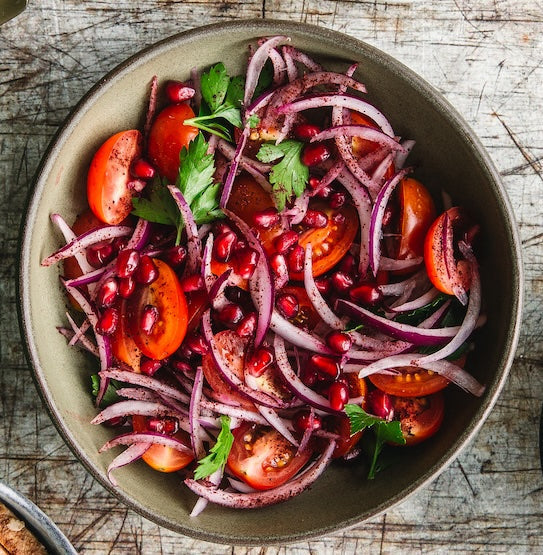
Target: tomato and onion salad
264 283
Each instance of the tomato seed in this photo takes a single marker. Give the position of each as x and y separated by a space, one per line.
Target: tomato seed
149 317
127 262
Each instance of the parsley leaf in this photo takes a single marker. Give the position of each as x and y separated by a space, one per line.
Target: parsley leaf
110 396
384 431
214 85
218 454
195 181
288 177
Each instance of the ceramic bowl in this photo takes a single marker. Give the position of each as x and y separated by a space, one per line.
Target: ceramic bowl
448 156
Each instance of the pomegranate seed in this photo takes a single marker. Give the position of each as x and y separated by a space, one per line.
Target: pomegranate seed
278 265
246 261
338 218
183 367
142 169
177 92
98 255
314 182
315 218
240 245
119 243
195 342
303 420
108 321
348 264
150 366
261 359
308 375
285 241
146 272
366 294
192 283
230 314
175 256
247 325
236 295
323 285
339 342
266 218
127 286
338 395
380 404
107 293
296 259
221 227
306 131
337 199
341 281
127 262
287 305
315 153
324 192
149 317
163 425
224 245
325 365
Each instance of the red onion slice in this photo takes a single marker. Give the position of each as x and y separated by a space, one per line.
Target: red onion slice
233 169
279 68
301 57
129 455
128 408
276 422
401 157
234 412
386 263
138 394
146 437
297 336
140 236
419 302
265 498
70 236
292 71
194 414
416 281
358 130
151 108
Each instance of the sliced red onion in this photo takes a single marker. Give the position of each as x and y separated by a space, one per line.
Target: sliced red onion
79 331
202 503
358 130
472 312
416 281
151 109
435 317
140 236
207 274
344 101
81 338
380 171
86 240
138 394
392 348
216 293
279 68
269 497
127 408
276 422
297 336
301 57
145 381
70 236
401 157
293 382
331 175
234 412
232 170
146 437
212 144
405 332
386 263
299 209
450 262
419 302
240 486
129 455
363 205
229 152
308 432
377 214
194 414
194 247
256 65
92 277
292 71
260 283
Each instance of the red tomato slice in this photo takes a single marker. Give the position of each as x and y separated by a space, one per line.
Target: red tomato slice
123 346
417 213
232 347
159 457
168 136
346 442
419 417
197 302
108 193
166 295
445 275
263 458
412 382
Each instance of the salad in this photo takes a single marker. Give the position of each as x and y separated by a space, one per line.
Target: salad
264 284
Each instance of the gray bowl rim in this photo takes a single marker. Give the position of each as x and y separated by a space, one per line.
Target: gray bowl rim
270 27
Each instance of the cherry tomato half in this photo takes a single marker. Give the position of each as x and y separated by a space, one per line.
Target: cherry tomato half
168 136
412 382
160 457
166 295
445 273
417 213
108 193
263 458
123 346
419 417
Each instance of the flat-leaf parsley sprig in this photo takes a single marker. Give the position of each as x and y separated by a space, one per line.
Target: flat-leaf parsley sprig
218 454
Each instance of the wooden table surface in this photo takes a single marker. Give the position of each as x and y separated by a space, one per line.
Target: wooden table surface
486 57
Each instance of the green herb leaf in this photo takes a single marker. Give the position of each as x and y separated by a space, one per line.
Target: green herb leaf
384 431
159 208
235 91
218 454
110 396
415 317
288 177
214 85
253 121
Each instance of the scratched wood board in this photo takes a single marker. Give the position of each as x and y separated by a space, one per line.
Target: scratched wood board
486 57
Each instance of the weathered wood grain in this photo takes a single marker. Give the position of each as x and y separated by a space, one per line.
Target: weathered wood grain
486 57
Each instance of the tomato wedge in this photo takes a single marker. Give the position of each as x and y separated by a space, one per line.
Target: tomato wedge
168 136
159 457
123 346
412 382
168 332
263 458
445 273
419 417
108 192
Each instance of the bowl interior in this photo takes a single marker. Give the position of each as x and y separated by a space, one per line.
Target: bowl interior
447 157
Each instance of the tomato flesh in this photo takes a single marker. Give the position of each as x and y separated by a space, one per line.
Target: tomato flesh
167 138
108 192
419 417
160 457
263 458
123 346
168 332
411 382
